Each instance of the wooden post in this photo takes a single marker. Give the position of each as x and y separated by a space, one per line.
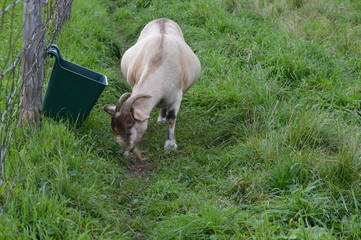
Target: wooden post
63 11
33 63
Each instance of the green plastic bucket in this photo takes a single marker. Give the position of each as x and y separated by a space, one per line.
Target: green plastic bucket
72 90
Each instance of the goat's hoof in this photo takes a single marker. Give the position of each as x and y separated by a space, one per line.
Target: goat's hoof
161 120
126 153
170 145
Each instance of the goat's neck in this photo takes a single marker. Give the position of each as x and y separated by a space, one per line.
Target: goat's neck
145 105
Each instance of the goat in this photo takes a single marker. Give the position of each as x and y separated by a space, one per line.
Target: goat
160 68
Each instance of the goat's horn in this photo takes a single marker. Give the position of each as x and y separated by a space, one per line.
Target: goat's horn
121 100
130 102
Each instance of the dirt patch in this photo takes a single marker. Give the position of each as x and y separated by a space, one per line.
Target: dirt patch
137 167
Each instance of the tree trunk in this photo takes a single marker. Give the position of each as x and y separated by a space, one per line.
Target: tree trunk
33 63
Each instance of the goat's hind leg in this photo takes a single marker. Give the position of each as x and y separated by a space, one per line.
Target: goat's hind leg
162 116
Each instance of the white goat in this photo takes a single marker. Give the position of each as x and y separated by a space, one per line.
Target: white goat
160 67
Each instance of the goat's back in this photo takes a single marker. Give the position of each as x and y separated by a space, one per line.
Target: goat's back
162 26
161 57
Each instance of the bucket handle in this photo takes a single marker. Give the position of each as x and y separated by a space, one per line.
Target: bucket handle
54 51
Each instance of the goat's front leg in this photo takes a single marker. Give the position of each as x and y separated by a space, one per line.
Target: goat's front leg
170 143
138 154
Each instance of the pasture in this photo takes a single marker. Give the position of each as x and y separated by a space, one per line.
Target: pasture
268 138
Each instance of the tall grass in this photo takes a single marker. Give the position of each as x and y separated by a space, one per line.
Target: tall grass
268 137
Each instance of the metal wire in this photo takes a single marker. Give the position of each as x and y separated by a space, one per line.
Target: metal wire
54 14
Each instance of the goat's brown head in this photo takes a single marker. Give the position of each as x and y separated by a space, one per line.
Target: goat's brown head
128 122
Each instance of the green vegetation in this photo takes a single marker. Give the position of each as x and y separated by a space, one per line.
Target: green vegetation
269 137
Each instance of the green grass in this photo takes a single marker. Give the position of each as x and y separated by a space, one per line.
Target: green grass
269 136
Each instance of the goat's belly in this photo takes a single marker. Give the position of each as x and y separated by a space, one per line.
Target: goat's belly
168 102
164 104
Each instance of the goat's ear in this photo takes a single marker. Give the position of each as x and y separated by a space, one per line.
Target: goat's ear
109 109
139 115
